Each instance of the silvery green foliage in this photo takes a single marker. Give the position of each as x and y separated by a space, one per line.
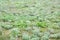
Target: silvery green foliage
7 26
14 34
45 36
51 30
25 36
34 37
28 29
36 34
36 30
57 35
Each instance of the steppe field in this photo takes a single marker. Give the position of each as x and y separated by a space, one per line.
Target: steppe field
29 19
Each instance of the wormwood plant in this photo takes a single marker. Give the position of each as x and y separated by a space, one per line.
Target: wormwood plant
36 35
14 34
45 36
25 36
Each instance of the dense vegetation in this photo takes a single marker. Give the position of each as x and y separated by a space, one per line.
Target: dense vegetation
29 19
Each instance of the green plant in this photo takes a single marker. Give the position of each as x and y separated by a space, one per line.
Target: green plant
41 24
20 24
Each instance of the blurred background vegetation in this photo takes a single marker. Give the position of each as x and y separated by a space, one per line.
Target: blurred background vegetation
29 19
